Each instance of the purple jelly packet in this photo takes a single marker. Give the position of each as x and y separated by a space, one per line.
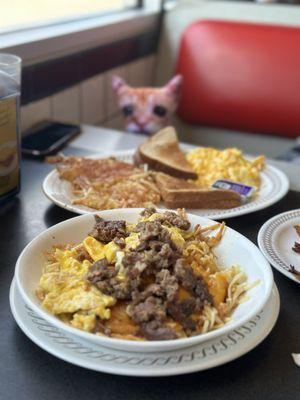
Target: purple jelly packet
243 190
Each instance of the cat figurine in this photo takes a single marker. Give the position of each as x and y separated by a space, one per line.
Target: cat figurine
147 109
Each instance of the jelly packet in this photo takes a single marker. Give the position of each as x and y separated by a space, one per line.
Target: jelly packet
245 191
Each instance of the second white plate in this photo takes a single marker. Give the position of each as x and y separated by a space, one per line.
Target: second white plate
274 186
276 239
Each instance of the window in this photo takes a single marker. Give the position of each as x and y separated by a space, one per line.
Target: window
19 14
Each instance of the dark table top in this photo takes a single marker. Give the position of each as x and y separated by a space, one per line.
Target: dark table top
27 372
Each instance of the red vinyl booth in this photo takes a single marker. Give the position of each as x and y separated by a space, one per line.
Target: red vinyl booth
241 76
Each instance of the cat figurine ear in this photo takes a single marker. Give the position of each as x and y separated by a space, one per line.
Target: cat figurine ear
117 83
174 85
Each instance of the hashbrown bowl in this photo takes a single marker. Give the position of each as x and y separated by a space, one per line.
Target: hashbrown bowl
234 248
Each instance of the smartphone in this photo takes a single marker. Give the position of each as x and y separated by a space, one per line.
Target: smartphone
47 138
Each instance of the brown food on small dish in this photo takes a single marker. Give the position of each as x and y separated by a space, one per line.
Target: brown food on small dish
296 246
294 271
296 249
297 229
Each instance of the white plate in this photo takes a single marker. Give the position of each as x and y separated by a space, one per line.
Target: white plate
276 239
31 261
274 186
196 358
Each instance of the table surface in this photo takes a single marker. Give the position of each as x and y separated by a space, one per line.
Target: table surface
27 372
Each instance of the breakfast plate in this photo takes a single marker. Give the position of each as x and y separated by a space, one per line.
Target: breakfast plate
276 239
274 186
199 357
246 257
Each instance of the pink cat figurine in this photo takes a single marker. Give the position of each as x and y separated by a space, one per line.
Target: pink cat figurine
146 109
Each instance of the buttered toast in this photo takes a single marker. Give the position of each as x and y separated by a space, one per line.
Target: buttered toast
178 193
162 153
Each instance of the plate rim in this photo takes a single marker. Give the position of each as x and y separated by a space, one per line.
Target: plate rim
115 370
261 238
223 214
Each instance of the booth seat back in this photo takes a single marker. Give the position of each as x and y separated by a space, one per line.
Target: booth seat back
241 76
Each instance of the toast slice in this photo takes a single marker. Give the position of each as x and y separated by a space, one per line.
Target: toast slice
162 153
178 193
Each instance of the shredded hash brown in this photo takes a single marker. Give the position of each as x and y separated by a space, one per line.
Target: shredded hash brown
107 183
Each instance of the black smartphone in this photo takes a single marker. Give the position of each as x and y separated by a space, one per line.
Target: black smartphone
47 138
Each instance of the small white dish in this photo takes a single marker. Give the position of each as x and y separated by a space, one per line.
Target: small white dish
234 248
77 351
276 239
274 186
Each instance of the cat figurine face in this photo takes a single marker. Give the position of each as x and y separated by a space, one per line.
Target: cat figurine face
146 109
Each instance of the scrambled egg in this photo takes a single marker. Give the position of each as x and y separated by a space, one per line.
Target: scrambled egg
212 164
65 292
176 236
132 241
98 250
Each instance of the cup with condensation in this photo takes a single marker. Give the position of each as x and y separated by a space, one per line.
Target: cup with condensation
10 88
